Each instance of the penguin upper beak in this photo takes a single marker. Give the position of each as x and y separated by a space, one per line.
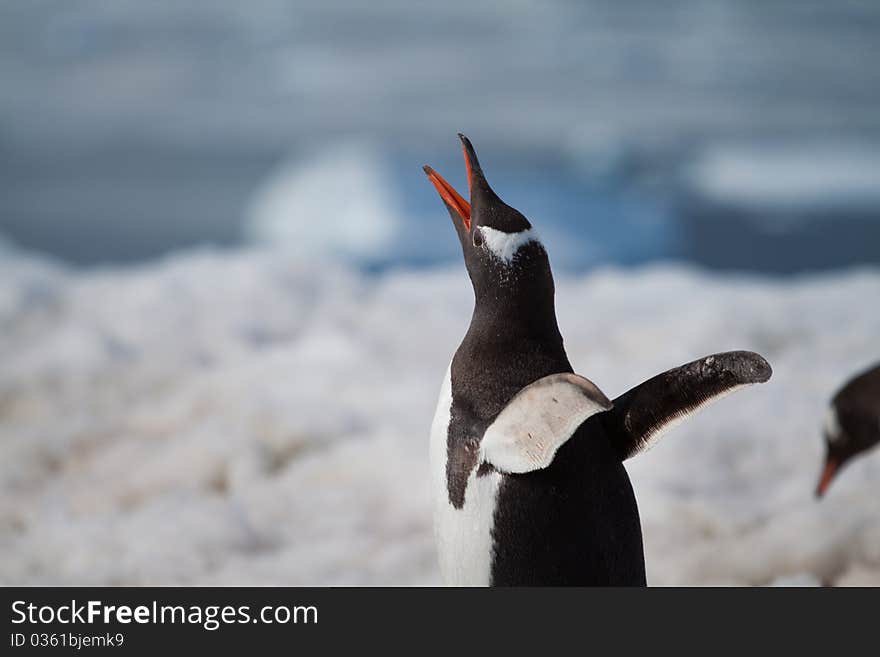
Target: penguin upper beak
454 201
832 466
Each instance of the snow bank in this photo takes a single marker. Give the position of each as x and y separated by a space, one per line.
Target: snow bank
237 418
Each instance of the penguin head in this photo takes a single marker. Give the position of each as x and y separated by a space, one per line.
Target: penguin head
847 433
502 252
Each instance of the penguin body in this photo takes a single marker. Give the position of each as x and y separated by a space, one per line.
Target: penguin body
533 527
852 425
527 457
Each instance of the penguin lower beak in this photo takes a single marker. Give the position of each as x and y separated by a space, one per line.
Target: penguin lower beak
451 198
832 466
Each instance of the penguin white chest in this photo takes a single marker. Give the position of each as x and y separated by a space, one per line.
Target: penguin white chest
463 536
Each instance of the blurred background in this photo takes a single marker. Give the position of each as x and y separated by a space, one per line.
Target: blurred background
228 294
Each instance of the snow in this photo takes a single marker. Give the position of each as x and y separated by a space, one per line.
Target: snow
246 417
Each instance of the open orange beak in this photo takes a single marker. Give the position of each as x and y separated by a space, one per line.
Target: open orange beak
828 472
451 197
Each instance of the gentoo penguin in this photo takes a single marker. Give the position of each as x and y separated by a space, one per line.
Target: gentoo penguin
528 478
852 425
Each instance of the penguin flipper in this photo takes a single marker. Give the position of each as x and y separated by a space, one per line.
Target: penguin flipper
528 431
642 415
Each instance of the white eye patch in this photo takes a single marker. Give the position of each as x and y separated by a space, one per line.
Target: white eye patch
832 426
504 246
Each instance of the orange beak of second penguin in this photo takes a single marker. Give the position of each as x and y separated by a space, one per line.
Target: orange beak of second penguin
451 197
827 476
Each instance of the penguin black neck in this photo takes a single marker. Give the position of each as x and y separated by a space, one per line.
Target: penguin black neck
502 316
515 302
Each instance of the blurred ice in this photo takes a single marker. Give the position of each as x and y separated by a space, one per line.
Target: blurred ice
337 204
781 207
238 417
817 176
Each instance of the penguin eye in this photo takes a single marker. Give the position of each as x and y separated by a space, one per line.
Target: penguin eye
477 237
